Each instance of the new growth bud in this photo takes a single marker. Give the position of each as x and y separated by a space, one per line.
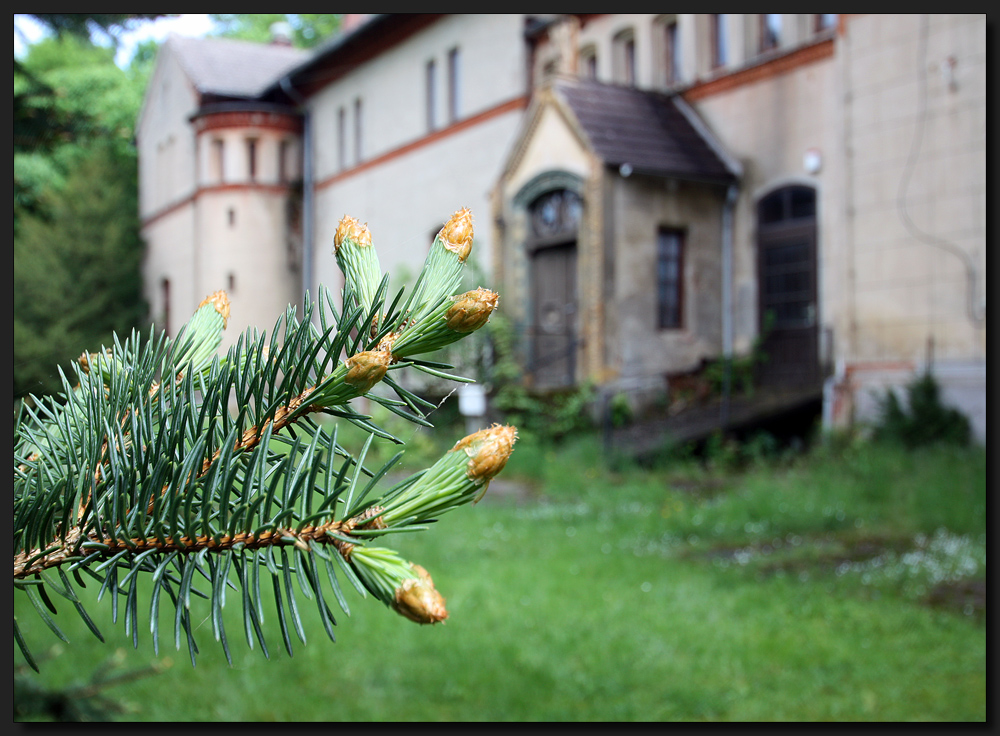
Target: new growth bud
221 302
456 235
353 230
488 451
418 600
471 310
366 369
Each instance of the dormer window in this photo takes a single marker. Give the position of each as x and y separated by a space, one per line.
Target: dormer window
770 31
624 58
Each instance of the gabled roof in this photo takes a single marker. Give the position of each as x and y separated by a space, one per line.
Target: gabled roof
228 68
651 132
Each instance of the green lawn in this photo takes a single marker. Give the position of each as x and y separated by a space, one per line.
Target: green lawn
837 586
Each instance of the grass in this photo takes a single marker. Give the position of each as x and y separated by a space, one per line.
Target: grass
794 590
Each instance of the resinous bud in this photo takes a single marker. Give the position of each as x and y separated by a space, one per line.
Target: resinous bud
366 369
418 600
220 300
351 229
456 235
471 310
488 451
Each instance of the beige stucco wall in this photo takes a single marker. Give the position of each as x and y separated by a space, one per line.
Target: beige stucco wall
412 192
902 120
164 138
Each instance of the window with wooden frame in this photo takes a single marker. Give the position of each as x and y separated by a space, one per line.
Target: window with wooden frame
720 39
825 21
623 60
588 63
358 129
341 139
430 88
670 278
672 51
770 31
454 80
252 159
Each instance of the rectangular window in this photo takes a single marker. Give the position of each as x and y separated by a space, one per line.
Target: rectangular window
825 21
431 89
630 62
720 40
770 31
252 158
341 139
358 127
673 53
165 294
670 278
283 161
454 80
589 64
218 160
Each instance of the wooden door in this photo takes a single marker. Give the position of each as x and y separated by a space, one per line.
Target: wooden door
553 329
787 288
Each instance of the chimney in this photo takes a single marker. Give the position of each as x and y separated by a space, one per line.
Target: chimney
350 21
281 34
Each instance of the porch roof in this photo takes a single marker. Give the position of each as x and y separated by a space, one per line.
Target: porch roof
651 132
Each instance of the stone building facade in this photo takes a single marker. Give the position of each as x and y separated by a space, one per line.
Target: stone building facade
815 180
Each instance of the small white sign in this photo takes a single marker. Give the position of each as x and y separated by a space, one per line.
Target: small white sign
471 400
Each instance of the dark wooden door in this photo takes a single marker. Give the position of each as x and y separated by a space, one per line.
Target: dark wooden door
787 271
553 329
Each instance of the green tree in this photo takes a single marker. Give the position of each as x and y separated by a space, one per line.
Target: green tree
76 271
308 29
77 248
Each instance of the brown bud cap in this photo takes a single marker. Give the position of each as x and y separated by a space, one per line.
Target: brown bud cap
471 310
353 229
418 600
456 235
366 369
221 302
488 450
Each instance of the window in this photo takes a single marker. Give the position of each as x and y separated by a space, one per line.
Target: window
588 63
770 31
624 58
670 278
341 139
454 80
252 158
358 149
165 292
218 160
825 21
231 214
283 161
431 89
720 40
672 52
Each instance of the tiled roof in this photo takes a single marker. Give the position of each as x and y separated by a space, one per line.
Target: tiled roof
230 68
646 130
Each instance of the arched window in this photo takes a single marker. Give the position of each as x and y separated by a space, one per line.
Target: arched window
555 215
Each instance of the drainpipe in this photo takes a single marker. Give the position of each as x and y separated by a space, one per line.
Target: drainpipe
727 297
307 186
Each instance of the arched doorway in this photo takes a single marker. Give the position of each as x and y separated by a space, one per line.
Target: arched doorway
786 249
554 219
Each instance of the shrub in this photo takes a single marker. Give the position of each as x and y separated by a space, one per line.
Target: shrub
924 420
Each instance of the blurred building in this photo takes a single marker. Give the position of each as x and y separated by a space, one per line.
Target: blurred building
651 192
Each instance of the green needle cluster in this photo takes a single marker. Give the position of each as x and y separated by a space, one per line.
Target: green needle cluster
201 473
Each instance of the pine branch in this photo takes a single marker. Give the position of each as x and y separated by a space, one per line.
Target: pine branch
144 469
